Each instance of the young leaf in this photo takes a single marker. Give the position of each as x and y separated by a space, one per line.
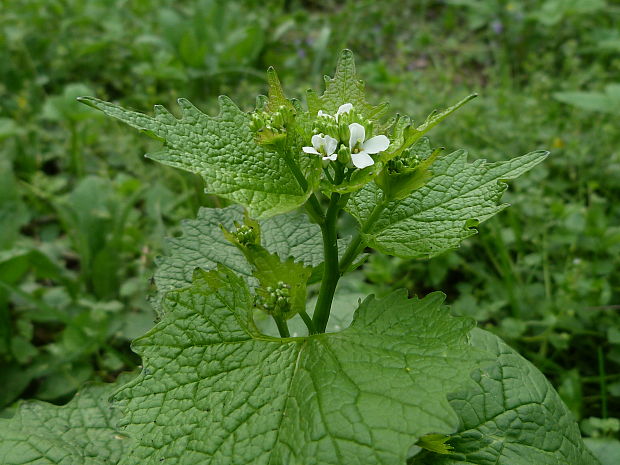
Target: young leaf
510 415
271 272
343 88
223 150
443 212
216 391
202 245
81 432
276 97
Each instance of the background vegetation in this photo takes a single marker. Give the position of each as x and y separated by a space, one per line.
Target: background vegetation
83 215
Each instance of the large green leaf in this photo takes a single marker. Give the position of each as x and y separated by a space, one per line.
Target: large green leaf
202 245
215 391
510 415
223 150
82 432
443 212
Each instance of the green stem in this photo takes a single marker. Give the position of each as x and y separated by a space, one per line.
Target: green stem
282 326
312 205
307 321
331 272
328 175
357 244
353 250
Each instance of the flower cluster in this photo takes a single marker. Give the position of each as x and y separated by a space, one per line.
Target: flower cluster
245 234
275 300
346 132
406 163
275 122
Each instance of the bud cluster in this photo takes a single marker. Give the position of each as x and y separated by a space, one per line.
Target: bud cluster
338 127
276 122
245 234
275 300
406 163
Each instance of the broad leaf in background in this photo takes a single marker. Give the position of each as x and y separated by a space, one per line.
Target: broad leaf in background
607 450
214 390
607 101
16 348
442 213
13 211
510 415
82 432
223 150
202 245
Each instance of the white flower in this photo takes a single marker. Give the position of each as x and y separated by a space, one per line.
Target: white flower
324 146
342 109
361 149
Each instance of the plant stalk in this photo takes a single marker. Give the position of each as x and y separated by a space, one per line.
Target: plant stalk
312 205
331 273
282 326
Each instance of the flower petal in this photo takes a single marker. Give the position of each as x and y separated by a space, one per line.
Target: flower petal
376 144
322 113
346 108
362 160
318 141
310 150
358 134
332 157
330 145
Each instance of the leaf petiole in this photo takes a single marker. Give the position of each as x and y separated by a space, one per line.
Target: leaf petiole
307 321
312 205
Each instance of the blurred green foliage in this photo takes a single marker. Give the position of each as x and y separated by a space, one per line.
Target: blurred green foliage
83 215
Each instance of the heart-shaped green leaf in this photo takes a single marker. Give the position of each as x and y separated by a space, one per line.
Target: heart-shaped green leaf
216 391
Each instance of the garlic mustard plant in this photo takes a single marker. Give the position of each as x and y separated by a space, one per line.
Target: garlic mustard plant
257 358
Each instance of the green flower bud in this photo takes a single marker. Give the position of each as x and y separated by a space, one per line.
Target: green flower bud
245 234
404 164
344 155
257 123
325 125
274 300
405 174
